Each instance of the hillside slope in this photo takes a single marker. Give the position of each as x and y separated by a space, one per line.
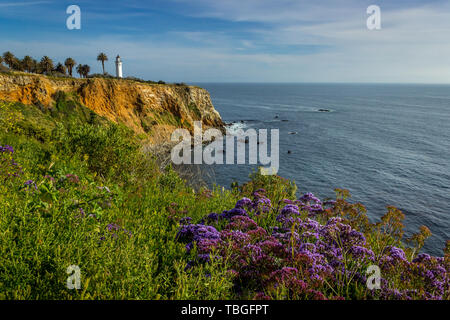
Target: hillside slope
154 110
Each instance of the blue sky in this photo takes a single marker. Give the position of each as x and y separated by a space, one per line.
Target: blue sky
240 40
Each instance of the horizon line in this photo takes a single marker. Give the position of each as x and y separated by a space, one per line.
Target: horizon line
317 82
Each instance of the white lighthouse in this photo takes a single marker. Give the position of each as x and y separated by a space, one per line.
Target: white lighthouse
118 67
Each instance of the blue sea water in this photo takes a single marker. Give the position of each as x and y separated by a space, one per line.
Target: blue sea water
388 144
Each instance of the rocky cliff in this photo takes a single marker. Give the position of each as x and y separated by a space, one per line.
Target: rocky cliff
153 110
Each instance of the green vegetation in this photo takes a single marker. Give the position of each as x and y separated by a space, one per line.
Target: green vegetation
70 63
83 70
77 190
193 107
44 66
86 175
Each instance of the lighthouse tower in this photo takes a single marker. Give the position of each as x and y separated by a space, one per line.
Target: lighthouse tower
118 67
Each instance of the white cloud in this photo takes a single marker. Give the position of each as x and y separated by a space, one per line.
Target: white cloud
411 47
22 4
279 11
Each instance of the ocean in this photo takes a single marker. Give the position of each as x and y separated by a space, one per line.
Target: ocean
388 144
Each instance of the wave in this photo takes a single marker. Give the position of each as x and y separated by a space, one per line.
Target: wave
234 127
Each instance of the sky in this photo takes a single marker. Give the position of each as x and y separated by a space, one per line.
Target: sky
240 40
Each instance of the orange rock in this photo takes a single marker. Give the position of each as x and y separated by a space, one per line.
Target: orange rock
151 109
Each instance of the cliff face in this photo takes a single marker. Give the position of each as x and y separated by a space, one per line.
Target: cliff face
151 109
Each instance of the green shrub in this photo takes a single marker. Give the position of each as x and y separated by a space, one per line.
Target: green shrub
276 187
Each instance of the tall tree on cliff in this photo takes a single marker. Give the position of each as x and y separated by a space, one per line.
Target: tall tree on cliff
27 63
46 64
80 70
36 68
70 63
9 59
102 57
60 68
17 65
86 69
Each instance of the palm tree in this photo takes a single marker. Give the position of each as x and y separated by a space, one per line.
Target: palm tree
102 57
86 69
70 63
9 59
60 68
17 65
35 67
47 64
80 70
27 63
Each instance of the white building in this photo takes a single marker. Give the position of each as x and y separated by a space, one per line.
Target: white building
118 67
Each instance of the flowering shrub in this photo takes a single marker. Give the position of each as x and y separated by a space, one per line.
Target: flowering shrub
277 187
308 250
8 167
9 118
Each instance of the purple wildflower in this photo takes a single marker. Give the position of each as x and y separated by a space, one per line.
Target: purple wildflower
7 148
308 197
233 212
244 202
30 184
186 220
